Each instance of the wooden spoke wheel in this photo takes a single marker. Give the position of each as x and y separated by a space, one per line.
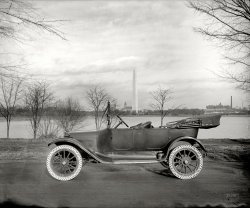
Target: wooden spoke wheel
185 161
64 162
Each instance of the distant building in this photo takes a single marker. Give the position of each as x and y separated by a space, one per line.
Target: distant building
223 109
127 108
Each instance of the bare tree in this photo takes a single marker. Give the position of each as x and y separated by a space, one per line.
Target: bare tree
161 97
229 22
11 91
69 114
37 97
98 98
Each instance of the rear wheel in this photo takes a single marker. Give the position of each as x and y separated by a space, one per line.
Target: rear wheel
185 161
64 162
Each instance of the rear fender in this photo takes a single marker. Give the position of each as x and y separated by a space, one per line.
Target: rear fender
86 153
183 140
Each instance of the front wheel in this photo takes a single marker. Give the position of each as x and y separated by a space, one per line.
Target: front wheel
185 161
64 162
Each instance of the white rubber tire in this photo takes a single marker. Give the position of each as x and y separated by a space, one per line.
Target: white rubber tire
172 157
76 154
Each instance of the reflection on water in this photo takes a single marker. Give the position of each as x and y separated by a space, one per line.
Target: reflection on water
231 127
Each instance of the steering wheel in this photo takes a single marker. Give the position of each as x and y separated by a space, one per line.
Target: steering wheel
121 121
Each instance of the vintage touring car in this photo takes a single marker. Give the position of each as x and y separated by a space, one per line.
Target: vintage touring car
174 145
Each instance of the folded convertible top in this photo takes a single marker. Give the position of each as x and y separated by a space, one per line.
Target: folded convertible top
202 122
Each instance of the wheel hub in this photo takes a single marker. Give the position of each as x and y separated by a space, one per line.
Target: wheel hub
64 162
185 160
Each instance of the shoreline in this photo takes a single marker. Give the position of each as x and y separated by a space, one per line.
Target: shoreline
26 118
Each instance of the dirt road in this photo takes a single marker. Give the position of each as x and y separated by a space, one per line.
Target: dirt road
98 185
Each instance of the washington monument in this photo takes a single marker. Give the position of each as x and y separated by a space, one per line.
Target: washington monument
135 96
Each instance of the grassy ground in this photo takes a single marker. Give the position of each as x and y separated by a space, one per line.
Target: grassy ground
23 149
228 149
218 149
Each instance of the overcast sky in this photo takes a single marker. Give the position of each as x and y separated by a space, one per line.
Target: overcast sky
106 40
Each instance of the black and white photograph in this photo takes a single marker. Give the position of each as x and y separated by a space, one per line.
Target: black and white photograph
124 103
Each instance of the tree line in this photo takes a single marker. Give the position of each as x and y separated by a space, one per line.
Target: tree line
38 99
47 114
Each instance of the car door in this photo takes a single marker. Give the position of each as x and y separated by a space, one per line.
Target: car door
122 140
150 139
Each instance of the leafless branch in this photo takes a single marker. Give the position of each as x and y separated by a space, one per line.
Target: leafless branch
228 22
15 14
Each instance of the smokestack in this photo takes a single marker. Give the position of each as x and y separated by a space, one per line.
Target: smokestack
135 97
231 102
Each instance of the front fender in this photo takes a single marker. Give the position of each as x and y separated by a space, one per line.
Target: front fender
76 144
61 141
190 140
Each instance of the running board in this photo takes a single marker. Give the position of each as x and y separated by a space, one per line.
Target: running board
125 160
117 162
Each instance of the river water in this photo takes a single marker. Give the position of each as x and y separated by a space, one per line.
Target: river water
234 127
